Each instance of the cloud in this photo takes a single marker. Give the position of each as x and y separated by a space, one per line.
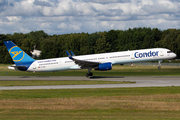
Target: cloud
22 8
107 1
70 16
3 4
42 3
161 7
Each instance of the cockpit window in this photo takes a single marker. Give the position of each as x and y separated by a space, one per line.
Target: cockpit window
169 51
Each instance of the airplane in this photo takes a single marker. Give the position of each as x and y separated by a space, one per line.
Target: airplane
102 61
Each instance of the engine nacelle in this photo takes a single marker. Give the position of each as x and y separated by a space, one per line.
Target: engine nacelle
104 66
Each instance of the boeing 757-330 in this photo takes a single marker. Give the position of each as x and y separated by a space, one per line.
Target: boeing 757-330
102 61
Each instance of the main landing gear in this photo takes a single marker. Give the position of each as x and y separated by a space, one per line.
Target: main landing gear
89 74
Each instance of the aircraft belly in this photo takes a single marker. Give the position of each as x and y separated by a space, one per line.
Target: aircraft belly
49 68
131 61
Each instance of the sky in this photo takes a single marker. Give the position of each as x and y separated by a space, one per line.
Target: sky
77 16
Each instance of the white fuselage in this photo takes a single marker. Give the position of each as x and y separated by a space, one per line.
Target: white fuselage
64 63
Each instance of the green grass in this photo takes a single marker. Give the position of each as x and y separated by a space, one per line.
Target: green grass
160 103
62 82
93 114
68 93
116 71
152 103
16 94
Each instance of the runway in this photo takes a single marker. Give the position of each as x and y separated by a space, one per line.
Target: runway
140 82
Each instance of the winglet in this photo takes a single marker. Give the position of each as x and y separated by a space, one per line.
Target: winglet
69 55
72 53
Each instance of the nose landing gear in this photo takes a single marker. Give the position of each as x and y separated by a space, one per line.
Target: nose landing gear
159 67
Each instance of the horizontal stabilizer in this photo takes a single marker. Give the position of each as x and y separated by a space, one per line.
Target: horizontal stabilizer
14 67
19 66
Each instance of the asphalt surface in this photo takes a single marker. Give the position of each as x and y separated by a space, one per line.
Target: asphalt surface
140 82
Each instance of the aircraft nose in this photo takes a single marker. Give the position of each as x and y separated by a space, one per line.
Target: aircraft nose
174 55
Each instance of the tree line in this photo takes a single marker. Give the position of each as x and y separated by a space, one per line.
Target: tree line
53 46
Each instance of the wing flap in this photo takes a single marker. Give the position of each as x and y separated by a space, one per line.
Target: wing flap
84 63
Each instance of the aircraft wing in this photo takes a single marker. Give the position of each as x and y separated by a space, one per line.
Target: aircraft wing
83 63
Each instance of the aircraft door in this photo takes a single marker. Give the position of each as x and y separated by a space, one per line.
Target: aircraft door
60 63
132 55
34 66
161 53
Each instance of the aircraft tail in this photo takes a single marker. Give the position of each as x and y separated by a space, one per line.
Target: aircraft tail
19 57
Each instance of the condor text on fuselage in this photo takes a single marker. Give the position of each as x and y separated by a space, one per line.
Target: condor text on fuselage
146 54
102 61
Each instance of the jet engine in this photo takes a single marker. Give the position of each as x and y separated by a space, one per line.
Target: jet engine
104 66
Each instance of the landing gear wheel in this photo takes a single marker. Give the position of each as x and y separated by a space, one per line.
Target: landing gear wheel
159 67
89 74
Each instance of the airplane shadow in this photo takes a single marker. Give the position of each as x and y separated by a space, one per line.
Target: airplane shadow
96 77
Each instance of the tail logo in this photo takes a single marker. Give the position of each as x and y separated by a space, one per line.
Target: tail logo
16 53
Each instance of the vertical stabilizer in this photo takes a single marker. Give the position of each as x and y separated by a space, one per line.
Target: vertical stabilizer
19 57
